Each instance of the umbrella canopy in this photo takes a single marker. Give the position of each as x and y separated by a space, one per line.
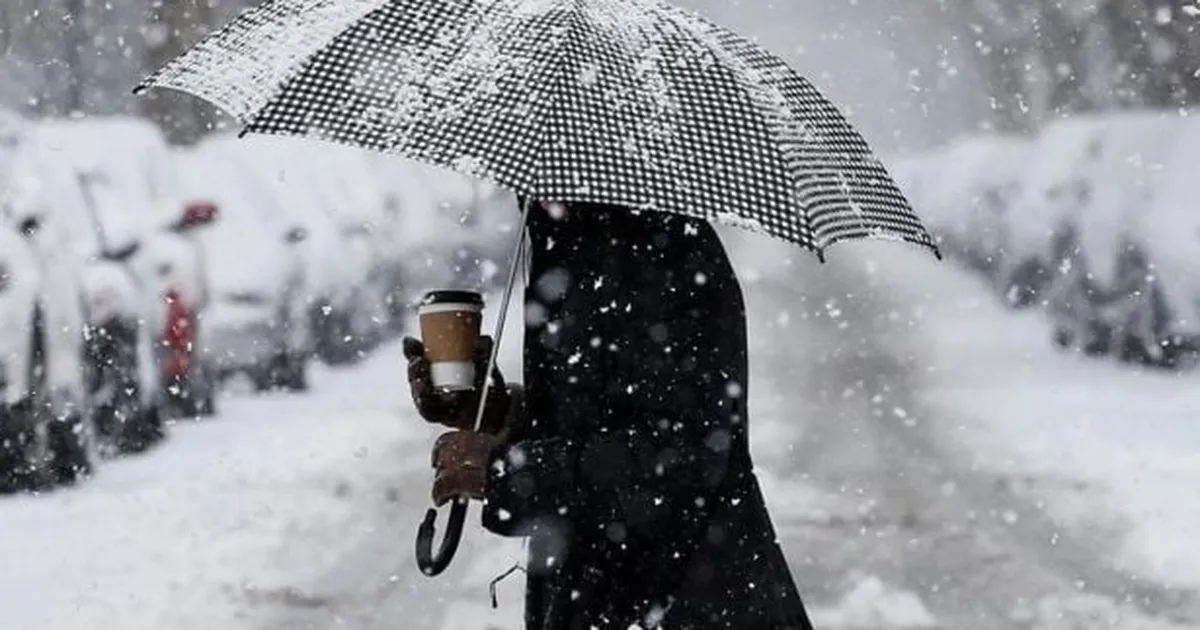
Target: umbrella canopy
628 102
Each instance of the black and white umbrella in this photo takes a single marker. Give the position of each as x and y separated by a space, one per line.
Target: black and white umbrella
629 102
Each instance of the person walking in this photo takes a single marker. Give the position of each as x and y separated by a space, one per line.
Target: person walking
625 458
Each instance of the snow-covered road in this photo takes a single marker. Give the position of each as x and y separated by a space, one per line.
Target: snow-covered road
973 548
904 495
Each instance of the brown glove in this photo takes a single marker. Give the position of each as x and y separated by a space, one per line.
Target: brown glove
457 409
460 460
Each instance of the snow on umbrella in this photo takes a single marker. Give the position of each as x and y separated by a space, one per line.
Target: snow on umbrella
628 102
633 103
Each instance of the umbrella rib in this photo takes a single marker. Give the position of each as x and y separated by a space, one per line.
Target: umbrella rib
697 27
545 106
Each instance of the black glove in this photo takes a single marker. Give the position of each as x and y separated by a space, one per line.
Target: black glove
457 409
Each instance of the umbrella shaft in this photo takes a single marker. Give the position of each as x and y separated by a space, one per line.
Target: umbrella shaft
513 265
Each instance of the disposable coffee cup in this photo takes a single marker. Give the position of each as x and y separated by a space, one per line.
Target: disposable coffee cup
450 323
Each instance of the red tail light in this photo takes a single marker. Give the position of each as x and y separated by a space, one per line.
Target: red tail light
177 336
197 213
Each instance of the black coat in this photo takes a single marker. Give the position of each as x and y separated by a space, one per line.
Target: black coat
633 477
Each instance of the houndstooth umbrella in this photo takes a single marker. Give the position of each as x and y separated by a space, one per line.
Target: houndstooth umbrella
628 102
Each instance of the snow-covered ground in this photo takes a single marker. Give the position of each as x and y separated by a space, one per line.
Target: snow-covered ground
927 461
216 523
1103 445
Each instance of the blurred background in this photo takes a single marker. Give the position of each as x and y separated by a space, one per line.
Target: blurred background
935 67
1005 439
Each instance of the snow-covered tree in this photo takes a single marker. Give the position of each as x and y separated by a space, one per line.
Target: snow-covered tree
67 56
1044 58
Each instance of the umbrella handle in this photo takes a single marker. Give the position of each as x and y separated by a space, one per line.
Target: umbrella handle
429 563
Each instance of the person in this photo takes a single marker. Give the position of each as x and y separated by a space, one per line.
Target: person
625 459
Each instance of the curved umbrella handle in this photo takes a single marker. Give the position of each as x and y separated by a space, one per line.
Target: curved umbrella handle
429 563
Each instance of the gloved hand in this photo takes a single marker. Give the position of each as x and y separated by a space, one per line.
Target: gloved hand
460 460
457 409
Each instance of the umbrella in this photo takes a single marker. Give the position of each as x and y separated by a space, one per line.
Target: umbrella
629 102
634 103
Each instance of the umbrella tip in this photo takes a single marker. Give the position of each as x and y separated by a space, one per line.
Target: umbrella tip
821 255
242 133
138 89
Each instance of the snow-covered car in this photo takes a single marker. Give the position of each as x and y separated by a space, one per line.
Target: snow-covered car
351 315
315 187
174 258
1169 231
383 216
24 446
975 183
140 185
133 198
329 190
257 321
1142 227
94 197
457 231
1046 266
1129 315
46 430
1100 290
390 277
